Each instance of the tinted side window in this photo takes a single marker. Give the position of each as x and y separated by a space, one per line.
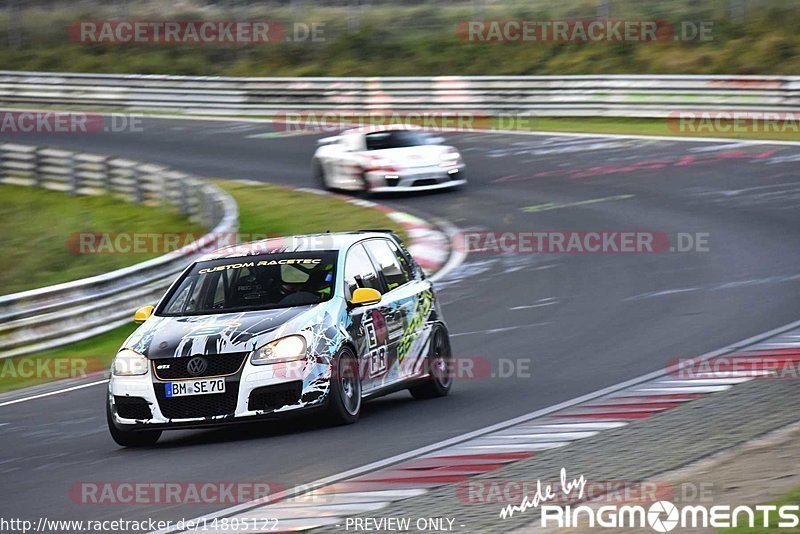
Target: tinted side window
403 258
387 263
359 272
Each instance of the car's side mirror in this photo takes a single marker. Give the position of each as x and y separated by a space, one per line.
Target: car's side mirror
365 295
143 314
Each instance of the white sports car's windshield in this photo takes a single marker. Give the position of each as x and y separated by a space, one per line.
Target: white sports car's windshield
254 283
394 139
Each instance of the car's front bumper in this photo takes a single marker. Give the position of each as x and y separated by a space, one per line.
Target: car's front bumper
306 383
417 179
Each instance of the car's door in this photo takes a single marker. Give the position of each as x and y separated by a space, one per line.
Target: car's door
366 321
405 309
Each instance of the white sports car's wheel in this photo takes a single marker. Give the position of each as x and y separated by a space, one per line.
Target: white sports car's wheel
320 176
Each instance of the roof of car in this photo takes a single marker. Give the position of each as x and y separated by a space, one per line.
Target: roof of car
375 128
295 243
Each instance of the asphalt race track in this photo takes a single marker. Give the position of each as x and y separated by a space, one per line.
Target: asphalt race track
583 321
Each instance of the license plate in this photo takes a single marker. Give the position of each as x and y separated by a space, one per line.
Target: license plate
195 387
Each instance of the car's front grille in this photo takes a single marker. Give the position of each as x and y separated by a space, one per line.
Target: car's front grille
132 407
426 181
190 406
216 365
275 396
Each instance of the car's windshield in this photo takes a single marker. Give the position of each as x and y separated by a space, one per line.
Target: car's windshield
394 139
254 283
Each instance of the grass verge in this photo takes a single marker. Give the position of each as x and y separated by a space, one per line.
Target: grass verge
779 129
262 209
70 361
40 244
659 127
792 497
414 39
281 211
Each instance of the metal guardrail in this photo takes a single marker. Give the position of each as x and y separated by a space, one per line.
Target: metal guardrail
43 318
593 95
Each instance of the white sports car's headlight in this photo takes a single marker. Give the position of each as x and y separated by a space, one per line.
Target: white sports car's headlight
129 363
450 158
285 349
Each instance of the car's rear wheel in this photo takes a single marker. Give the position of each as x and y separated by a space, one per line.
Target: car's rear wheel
344 400
142 438
365 186
440 376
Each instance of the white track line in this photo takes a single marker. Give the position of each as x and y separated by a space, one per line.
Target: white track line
51 393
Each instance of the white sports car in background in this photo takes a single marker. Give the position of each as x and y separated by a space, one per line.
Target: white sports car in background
389 159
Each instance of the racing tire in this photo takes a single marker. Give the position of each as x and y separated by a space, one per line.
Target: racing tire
143 438
366 190
344 400
319 175
439 361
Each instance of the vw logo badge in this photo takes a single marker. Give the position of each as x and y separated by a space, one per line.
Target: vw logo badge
197 366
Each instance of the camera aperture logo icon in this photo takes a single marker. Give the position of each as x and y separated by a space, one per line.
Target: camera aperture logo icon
655 516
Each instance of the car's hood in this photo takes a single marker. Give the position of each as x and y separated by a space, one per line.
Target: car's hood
413 156
166 337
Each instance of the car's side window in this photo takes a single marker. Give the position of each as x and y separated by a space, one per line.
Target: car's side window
387 263
359 272
405 261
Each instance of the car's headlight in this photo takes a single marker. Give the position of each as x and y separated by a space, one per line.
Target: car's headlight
450 158
129 363
285 349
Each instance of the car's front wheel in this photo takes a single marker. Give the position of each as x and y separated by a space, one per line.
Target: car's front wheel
344 399
319 175
142 438
440 372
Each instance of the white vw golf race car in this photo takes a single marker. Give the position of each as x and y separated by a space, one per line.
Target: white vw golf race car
278 327
385 160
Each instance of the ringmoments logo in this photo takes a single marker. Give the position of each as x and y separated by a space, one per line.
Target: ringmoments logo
660 516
